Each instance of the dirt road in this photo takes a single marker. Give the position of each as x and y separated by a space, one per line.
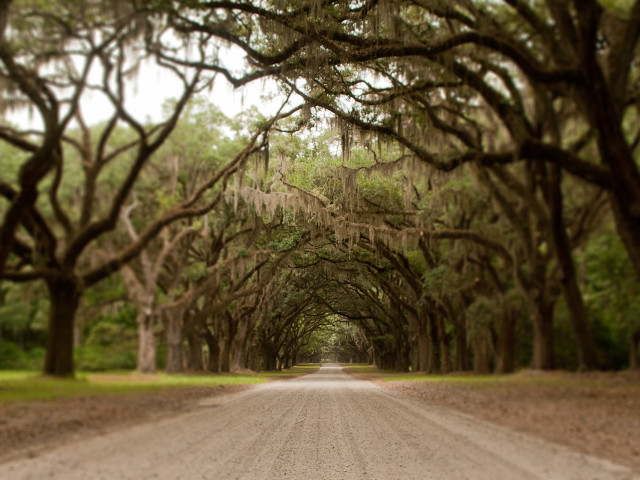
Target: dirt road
322 426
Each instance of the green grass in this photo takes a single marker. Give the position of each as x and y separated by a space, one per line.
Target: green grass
497 382
23 386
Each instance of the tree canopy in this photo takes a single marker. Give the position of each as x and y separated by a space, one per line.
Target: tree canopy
446 186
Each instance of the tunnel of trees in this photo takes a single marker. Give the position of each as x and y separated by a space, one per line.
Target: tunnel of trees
446 186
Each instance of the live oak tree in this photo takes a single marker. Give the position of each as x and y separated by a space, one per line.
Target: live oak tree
195 149
559 78
470 149
47 60
432 60
50 56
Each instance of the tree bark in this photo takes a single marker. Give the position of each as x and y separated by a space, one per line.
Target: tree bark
543 345
254 358
65 296
463 361
433 365
239 344
615 152
146 342
506 342
634 360
269 360
225 360
402 357
214 351
481 352
195 360
423 349
414 354
225 339
585 344
445 350
175 349
287 361
238 355
2 299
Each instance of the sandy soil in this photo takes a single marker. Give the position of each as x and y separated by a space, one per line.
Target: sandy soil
595 413
322 426
27 429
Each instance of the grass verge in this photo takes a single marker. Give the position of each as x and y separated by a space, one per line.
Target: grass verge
25 386
528 379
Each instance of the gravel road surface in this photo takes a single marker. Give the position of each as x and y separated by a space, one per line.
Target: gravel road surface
326 425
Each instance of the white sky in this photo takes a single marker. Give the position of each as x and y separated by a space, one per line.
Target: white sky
147 92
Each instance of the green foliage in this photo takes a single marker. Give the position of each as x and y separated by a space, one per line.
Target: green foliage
285 241
104 334
110 342
109 290
196 271
480 315
12 159
565 348
381 190
613 291
23 320
92 358
620 7
612 296
12 357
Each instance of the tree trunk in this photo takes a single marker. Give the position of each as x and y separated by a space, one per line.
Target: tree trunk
585 344
634 363
214 352
239 344
146 342
628 229
226 336
423 350
423 342
445 350
195 360
286 361
617 154
254 358
414 354
269 360
174 342
482 352
433 365
462 362
238 355
402 356
2 297
543 348
224 362
65 297
506 342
